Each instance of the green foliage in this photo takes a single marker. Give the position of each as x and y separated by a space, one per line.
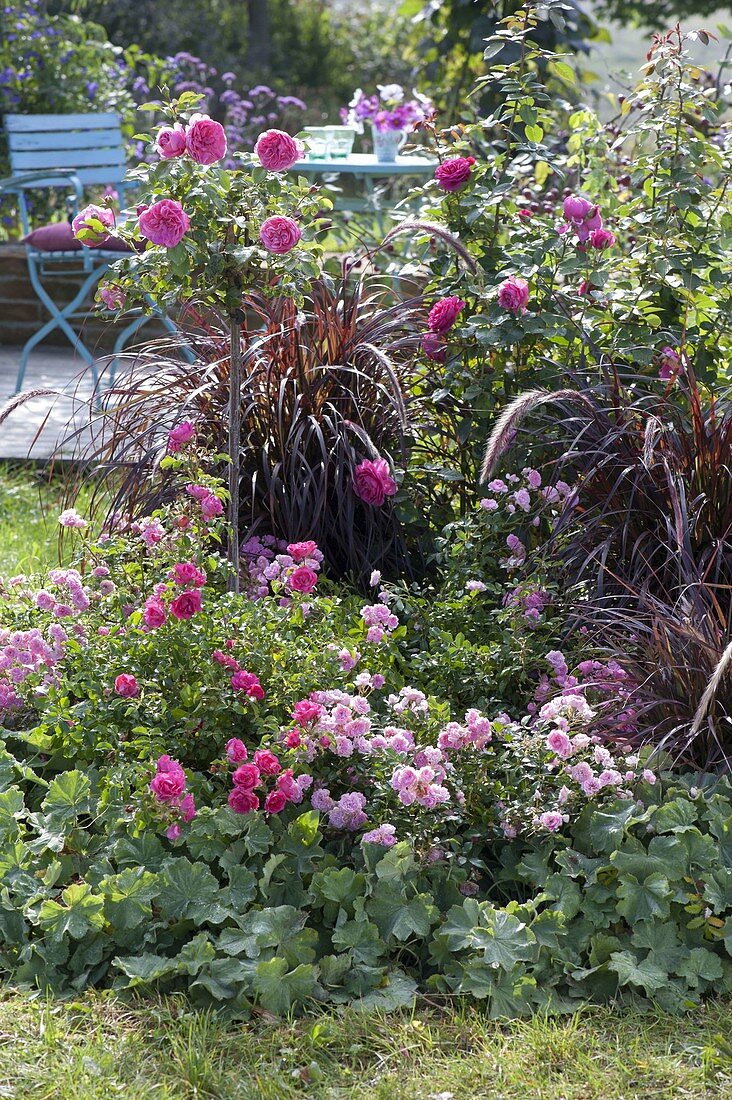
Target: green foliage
633 902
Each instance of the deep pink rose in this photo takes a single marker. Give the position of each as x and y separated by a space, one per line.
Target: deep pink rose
165 222
180 435
169 781
434 347
602 239
248 683
302 579
279 234
444 314
171 142
306 711
236 750
301 550
277 151
373 483
454 172
247 776
126 686
513 295
186 605
205 140
154 613
267 762
93 213
113 296
211 506
243 802
275 802
187 572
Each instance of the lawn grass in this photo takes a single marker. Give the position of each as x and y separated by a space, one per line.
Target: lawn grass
29 508
98 1048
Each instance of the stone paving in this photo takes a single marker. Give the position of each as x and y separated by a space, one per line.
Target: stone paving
35 429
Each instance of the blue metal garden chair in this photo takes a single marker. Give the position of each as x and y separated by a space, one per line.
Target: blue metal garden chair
69 153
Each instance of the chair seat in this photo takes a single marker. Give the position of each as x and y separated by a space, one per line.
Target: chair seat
59 237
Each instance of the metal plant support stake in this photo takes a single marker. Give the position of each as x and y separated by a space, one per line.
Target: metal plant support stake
234 434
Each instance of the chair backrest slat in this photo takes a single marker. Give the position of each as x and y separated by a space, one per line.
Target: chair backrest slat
43 123
91 145
29 142
74 158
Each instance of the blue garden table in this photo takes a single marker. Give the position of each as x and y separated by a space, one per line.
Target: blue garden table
367 170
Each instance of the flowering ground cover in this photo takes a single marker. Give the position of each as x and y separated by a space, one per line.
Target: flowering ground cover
345 716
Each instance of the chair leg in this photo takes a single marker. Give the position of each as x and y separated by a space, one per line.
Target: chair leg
59 320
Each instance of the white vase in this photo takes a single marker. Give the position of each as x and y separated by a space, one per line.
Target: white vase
387 144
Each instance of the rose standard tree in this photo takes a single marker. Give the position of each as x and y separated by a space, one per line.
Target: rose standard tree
207 235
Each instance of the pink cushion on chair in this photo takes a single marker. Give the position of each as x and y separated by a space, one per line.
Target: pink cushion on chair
59 237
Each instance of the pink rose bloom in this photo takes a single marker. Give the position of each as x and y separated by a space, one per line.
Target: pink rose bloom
267 762
306 711
211 506
186 605
513 295
454 172
298 551
187 807
180 435
248 683
171 142
444 314
236 750
113 296
279 234
243 802
576 208
670 364
275 802
165 223
187 572
277 151
205 140
169 781
373 483
247 776
551 820
71 518
602 239
126 686
93 213
173 832
434 347
558 743
154 613
302 579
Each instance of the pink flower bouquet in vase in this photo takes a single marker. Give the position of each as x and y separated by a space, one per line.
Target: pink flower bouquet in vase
392 117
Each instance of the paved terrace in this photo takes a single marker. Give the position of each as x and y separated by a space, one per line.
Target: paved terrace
35 429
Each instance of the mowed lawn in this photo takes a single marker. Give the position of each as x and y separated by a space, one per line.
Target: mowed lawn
98 1048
